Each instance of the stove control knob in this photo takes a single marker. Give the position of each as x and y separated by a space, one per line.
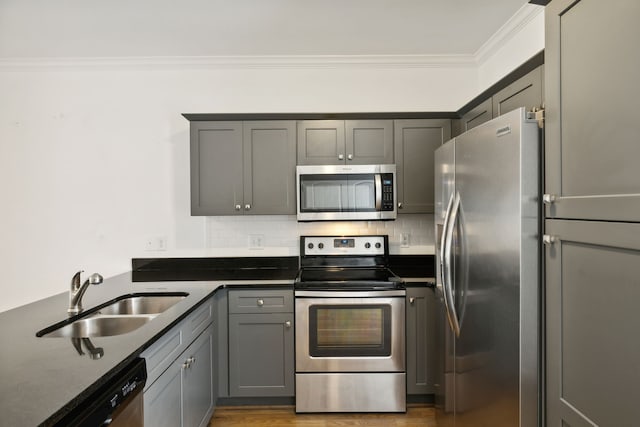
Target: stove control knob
320 245
310 245
367 245
378 245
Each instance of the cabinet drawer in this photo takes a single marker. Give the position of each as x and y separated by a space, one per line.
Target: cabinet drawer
261 301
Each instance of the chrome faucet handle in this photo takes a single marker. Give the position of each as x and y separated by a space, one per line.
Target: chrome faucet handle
75 280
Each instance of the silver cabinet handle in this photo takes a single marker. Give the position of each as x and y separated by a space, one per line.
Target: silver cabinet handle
412 300
260 302
399 205
548 199
350 157
548 239
287 324
187 363
247 207
238 207
340 156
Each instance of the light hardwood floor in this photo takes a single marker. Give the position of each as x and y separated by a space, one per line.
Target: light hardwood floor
417 415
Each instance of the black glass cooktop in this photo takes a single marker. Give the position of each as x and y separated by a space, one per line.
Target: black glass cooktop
348 278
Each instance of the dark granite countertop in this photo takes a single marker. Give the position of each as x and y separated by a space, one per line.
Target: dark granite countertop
43 378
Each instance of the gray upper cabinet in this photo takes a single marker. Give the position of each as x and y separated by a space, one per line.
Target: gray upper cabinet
216 168
478 115
329 142
269 167
242 168
415 142
591 129
593 350
524 92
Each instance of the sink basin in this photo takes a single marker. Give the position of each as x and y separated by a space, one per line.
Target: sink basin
119 316
99 326
142 304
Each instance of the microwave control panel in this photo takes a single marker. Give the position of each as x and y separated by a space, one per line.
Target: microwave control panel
387 191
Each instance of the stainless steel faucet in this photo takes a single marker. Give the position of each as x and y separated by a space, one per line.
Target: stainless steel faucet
77 291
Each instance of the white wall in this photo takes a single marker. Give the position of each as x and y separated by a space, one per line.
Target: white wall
94 156
94 153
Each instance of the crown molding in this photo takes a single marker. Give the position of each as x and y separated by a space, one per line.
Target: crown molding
241 62
507 32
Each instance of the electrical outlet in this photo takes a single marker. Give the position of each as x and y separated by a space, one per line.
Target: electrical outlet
256 241
404 240
156 243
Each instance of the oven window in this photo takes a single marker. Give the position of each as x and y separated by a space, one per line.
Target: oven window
349 330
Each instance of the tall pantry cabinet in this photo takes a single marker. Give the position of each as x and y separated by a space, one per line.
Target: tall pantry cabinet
592 212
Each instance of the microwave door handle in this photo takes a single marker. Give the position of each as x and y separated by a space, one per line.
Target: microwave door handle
378 191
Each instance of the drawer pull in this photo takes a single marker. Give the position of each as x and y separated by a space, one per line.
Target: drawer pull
260 302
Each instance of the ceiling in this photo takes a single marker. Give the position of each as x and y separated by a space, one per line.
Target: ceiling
122 28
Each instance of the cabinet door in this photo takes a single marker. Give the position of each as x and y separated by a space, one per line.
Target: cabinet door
420 340
321 142
198 381
415 143
524 92
478 115
261 361
591 130
369 142
269 167
593 350
163 399
216 168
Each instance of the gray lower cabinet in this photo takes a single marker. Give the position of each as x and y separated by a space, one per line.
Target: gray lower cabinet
183 394
420 329
180 388
415 142
524 92
591 129
593 350
261 343
240 168
360 142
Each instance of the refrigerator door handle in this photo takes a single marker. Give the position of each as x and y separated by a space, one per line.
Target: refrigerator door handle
448 279
443 259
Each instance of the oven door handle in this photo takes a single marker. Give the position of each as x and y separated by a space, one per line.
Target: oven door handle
378 190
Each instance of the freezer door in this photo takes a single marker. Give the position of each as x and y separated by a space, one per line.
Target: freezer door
496 267
443 385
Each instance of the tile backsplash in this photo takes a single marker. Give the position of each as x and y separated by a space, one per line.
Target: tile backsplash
278 235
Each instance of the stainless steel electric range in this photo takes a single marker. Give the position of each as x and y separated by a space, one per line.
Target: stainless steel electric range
350 327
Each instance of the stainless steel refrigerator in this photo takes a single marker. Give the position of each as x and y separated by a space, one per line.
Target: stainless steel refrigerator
487 228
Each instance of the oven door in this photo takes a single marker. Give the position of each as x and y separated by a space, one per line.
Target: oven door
350 334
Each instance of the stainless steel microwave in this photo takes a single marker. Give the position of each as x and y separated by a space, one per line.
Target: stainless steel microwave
346 193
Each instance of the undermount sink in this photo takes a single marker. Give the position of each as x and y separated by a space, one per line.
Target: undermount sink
142 304
100 326
123 314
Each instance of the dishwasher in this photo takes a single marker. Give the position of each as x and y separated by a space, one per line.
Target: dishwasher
118 403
